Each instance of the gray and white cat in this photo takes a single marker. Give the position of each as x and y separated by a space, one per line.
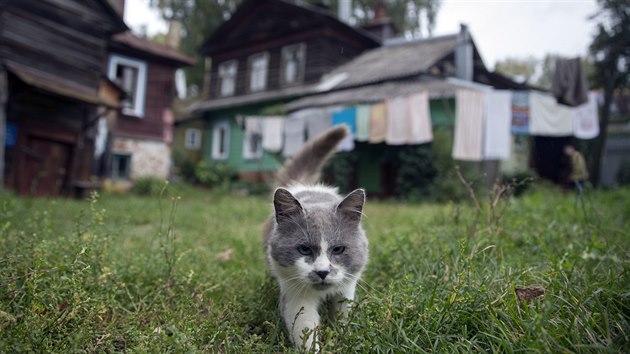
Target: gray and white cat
314 243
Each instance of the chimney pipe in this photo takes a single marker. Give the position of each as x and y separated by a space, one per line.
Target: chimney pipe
464 55
345 9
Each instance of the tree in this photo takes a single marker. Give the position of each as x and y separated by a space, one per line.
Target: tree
200 18
413 18
610 55
519 69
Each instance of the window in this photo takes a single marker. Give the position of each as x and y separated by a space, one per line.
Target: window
293 64
220 140
252 143
121 166
258 72
227 78
131 75
192 139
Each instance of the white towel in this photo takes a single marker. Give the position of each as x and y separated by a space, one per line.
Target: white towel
498 124
272 129
317 121
363 122
420 130
468 140
397 121
293 135
547 117
586 123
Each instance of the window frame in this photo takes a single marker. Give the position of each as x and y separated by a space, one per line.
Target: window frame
195 144
115 160
247 153
222 78
139 96
250 65
216 148
302 64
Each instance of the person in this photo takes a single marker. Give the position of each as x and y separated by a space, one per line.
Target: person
579 173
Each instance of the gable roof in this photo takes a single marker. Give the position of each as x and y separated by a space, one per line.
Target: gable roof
266 19
146 48
395 61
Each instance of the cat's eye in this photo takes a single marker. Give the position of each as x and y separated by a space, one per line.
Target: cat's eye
305 250
338 249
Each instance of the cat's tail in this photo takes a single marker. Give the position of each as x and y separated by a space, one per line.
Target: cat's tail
306 165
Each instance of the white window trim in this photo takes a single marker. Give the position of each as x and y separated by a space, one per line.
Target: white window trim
300 78
220 81
250 64
189 142
251 155
140 95
216 154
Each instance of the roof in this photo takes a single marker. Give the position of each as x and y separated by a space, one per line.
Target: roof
395 61
130 41
292 15
55 85
437 88
250 99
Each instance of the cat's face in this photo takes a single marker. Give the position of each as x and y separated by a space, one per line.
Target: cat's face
319 244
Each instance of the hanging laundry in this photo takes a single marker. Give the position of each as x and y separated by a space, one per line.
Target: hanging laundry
586 123
397 121
252 138
378 123
346 117
293 135
497 135
272 129
317 120
363 123
520 112
468 139
420 130
569 85
548 118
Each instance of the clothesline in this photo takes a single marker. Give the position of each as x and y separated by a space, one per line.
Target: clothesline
485 120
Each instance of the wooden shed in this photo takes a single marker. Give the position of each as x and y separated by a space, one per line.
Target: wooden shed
51 57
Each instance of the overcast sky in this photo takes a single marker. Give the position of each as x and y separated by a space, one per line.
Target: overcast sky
500 28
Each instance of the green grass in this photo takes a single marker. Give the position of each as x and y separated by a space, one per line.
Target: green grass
111 275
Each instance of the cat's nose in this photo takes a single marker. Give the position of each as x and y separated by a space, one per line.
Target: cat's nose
322 273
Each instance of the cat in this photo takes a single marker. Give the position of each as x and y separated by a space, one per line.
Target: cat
314 243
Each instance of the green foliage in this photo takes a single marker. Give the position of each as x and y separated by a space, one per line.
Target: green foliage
185 167
122 273
148 186
340 169
416 172
214 174
623 175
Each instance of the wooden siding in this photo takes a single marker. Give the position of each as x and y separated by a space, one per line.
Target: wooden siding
159 96
322 54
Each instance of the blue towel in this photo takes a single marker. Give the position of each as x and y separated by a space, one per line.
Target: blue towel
348 117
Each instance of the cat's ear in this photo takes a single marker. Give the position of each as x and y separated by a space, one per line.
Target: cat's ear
286 205
351 206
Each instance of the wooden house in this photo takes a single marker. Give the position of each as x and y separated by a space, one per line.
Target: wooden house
268 53
51 57
141 137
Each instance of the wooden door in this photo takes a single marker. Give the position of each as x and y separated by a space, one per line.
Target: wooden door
46 167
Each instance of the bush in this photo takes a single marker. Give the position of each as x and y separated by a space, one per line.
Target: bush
214 174
623 175
184 167
417 172
148 186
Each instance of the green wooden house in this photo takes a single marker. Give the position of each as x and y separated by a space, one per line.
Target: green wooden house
268 53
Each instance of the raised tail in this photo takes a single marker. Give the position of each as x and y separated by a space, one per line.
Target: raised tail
306 165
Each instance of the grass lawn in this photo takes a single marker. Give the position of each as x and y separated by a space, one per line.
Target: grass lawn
149 274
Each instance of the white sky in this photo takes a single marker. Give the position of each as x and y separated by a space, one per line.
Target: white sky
500 28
